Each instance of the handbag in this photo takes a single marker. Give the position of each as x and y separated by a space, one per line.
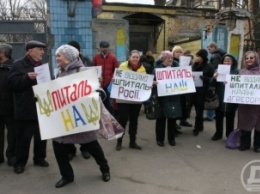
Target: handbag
211 100
109 127
233 140
152 107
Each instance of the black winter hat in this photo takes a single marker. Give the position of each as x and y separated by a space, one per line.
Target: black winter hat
203 53
74 44
34 43
104 44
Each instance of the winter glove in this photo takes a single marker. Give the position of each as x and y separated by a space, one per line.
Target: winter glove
202 77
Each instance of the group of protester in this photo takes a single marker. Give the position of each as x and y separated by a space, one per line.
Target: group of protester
18 104
177 107
18 109
248 115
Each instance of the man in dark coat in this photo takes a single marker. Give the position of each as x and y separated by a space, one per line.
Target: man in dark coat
21 79
6 106
216 54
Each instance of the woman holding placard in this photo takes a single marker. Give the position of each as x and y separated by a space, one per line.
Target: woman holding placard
69 63
227 110
171 107
128 110
248 114
197 99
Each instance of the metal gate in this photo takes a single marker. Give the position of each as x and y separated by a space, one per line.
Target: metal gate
18 32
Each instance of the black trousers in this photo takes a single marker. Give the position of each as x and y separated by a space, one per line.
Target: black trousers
26 129
61 154
9 123
129 112
184 106
160 126
199 126
230 119
198 101
73 149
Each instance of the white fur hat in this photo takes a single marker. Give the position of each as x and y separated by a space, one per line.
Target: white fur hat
70 52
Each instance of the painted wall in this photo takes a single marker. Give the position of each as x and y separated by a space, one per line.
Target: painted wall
193 46
115 31
64 28
236 41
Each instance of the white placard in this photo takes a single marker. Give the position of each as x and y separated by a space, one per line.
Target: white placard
68 105
185 61
174 80
97 68
43 73
131 86
242 89
197 80
223 70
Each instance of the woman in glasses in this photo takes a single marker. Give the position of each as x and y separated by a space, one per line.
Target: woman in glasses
248 114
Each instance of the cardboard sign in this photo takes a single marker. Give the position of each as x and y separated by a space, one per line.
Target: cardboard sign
131 86
174 81
242 89
68 105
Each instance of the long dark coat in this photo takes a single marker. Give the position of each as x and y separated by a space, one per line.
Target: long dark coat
21 84
171 106
6 97
199 96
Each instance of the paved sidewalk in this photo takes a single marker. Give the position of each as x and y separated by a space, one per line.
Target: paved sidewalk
196 165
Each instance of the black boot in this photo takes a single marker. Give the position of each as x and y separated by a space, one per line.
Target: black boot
119 144
257 141
245 140
133 144
195 132
171 134
216 136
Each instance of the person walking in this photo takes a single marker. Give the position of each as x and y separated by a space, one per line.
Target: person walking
69 63
227 110
6 106
21 79
249 114
128 110
171 107
109 63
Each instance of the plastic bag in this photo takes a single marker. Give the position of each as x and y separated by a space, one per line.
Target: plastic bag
109 127
233 140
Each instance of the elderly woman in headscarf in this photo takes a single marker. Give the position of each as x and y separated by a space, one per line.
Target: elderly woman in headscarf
248 114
